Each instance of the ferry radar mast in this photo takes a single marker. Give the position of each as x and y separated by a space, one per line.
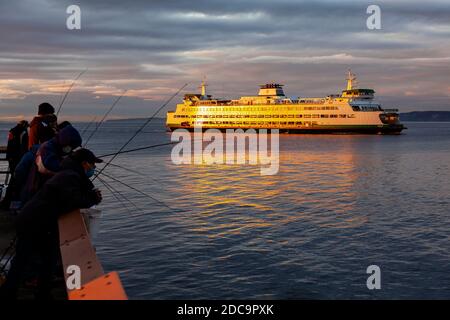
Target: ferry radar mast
351 80
203 88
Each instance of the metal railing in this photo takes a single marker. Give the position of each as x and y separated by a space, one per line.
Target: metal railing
4 170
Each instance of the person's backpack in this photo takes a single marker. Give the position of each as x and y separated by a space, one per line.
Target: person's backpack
17 142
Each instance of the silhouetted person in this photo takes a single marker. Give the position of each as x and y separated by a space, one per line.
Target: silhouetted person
38 123
37 222
16 148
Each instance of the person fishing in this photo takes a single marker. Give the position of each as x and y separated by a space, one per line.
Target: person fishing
37 222
48 159
23 168
17 146
38 124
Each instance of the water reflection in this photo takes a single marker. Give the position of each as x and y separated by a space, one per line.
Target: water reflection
313 186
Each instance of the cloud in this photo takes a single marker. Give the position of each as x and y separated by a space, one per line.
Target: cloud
151 48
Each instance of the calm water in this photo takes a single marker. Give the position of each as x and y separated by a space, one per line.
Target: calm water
339 204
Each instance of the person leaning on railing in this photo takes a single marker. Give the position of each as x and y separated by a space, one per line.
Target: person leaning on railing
37 223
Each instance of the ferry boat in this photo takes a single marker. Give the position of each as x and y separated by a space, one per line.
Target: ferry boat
353 111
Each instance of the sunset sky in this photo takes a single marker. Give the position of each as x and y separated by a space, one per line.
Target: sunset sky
151 48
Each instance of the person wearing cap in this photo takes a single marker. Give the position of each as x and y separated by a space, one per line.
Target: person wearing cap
37 222
38 123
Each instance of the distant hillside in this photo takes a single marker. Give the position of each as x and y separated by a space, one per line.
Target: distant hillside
440 116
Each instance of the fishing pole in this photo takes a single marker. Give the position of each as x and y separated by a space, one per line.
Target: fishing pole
11 247
70 88
62 93
142 148
139 130
135 172
137 149
137 190
86 128
104 117
114 192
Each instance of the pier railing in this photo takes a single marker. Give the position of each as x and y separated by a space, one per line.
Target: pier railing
77 250
4 170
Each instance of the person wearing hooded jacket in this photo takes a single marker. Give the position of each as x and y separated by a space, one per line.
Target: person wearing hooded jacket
48 159
39 123
37 222
23 166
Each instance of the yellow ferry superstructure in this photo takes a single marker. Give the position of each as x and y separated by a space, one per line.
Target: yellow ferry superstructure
354 110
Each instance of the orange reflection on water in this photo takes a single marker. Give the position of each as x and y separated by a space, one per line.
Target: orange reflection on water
313 186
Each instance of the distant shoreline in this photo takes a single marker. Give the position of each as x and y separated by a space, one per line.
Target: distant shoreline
425 116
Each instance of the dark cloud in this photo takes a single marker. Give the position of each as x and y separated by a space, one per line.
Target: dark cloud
152 47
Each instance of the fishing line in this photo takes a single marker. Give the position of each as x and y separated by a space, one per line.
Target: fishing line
137 149
139 191
139 130
142 148
70 88
114 191
135 172
104 117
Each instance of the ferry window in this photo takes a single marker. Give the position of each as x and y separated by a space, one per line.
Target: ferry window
342 116
291 123
275 116
298 123
299 116
351 116
324 116
315 116
290 116
307 116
